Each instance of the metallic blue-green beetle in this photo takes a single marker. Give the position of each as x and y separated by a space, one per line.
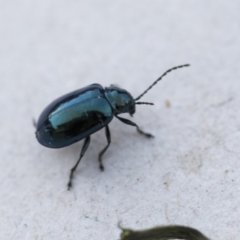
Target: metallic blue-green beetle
77 115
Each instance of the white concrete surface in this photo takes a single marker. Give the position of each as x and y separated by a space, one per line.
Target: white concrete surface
188 174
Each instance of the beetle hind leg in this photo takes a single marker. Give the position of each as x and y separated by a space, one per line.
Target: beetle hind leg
84 148
34 123
108 136
128 122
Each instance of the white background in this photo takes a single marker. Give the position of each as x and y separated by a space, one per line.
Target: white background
188 174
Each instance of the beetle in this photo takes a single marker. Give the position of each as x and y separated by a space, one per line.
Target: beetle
78 114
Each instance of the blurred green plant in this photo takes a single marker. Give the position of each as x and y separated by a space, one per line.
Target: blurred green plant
163 233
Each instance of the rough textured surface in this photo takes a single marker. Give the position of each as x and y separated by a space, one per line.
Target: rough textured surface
188 174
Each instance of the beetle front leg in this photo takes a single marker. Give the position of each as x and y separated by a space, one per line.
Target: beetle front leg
128 122
108 135
84 148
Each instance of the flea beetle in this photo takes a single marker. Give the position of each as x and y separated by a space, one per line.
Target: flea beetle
78 114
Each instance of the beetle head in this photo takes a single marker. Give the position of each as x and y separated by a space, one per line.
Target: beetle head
120 100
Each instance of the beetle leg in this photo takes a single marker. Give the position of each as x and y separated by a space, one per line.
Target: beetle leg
128 122
84 148
34 123
108 135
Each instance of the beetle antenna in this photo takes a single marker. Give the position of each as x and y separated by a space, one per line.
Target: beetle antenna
147 103
168 71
